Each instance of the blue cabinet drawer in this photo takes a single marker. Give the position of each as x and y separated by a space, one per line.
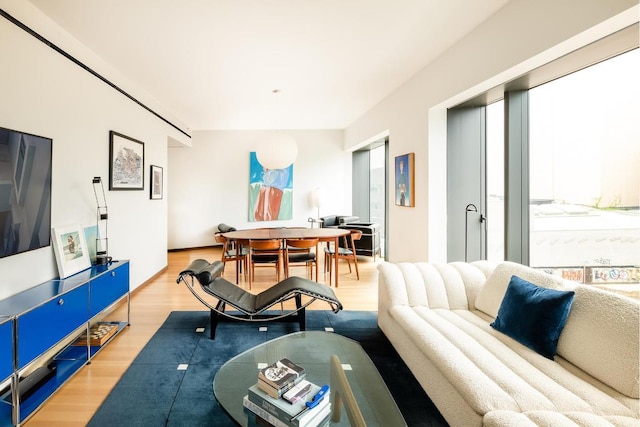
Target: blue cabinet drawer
6 356
108 288
44 326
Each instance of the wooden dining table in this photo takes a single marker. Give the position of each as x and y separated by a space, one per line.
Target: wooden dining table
323 234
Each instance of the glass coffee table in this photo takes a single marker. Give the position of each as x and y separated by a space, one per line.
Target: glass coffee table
313 351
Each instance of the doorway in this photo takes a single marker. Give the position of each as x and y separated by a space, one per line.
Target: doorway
370 190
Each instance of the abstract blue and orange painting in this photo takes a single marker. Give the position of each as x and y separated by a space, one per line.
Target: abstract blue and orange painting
270 192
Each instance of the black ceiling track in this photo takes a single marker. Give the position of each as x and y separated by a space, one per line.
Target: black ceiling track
85 67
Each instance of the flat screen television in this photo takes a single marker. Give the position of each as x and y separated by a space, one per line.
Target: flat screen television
25 192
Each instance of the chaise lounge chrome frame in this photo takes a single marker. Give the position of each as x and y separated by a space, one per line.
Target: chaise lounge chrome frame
253 307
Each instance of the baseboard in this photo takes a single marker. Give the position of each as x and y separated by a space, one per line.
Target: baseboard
194 248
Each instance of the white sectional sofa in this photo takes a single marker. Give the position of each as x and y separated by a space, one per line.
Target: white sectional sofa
438 317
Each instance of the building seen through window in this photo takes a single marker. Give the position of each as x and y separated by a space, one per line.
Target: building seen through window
584 175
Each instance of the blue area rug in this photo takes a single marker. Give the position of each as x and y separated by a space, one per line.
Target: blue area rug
153 392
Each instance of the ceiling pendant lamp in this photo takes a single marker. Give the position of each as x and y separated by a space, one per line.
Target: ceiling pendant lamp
278 150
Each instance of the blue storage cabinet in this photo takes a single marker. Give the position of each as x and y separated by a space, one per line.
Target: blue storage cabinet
49 315
108 288
6 344
6 360
45 326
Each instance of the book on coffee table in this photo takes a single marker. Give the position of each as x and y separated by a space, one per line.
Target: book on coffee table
277 378
261 417
285 411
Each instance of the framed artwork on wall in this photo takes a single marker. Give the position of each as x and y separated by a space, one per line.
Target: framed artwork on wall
405 180
156 183
126 162
270 192
71 250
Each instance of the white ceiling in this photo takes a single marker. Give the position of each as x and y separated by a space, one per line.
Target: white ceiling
214 63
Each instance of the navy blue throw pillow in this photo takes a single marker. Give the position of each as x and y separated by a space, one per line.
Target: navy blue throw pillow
533 316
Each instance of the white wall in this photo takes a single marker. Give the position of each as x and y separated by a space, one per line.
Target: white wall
521 36
210 182
46 94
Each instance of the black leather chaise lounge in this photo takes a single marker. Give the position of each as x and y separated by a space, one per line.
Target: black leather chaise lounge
250 307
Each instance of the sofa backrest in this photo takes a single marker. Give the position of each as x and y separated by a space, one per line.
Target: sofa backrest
601 335
336 220
450 286
491 294
330 221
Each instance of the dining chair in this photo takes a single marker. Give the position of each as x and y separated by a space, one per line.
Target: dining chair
347 253
298 252
264 252
229 248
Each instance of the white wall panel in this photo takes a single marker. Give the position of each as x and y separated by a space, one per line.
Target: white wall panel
46 94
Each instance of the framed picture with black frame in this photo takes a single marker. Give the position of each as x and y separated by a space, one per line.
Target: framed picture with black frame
126 162
156 189
405 180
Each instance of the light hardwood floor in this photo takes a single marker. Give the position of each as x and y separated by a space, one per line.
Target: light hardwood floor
77 401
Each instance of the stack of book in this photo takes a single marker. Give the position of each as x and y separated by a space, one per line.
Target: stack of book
280 396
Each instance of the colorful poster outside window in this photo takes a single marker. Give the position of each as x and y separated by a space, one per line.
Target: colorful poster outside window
270 192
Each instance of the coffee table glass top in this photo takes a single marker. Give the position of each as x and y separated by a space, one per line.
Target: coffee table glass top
311 350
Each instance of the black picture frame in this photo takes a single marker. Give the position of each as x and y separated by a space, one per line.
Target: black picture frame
126 162
156 187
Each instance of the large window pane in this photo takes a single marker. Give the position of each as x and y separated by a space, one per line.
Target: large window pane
377 191
584 173
495 181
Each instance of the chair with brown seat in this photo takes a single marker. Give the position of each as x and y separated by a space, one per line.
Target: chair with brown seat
264 252
298 252
347 253
229 248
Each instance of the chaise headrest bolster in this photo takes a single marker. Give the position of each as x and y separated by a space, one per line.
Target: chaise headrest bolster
224 228
203 271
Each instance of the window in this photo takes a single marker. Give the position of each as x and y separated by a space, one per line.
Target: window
377 190
495 181
561 186
584 180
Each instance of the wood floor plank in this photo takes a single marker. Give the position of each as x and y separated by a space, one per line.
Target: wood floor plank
76 402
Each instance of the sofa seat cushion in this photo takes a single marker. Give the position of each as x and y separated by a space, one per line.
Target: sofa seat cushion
556 419
494 372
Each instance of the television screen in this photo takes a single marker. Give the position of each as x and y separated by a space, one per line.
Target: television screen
25 192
